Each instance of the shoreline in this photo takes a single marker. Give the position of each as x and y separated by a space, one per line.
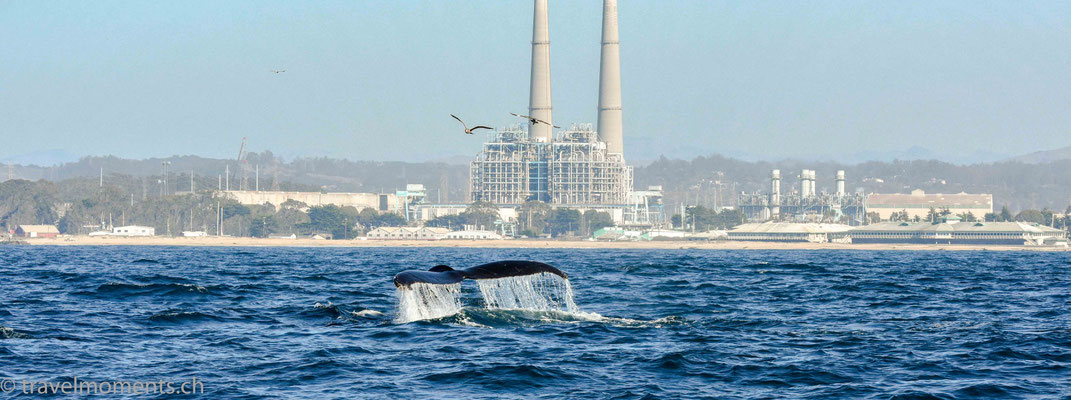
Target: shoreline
513 243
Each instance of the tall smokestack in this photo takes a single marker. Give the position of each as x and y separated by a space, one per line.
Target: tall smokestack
814 180
840 183
610 81
775 193
539 100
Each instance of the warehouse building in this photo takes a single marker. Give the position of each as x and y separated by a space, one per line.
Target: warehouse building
789 232
919 203
37 231
952 231
408 233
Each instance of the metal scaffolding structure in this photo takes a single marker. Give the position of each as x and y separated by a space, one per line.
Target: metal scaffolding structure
573 169
806 205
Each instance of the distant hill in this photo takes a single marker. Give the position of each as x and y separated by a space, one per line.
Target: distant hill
709 180
1047 156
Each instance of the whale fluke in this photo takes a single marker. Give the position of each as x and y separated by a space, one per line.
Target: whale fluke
442 274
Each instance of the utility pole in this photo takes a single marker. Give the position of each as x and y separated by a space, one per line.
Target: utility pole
219 219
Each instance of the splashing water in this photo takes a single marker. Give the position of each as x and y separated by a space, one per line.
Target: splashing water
426 301
540 292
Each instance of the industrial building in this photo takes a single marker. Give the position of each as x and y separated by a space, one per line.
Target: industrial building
579 167
402 202
806 204
951 230
918 204
408 233
37 231
360 201
789 232
128 231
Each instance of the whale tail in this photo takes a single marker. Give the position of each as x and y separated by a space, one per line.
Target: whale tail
443 275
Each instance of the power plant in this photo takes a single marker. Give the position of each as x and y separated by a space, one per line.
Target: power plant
578 166
806 204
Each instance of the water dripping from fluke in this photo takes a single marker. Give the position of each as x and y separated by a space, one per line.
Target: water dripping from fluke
504 285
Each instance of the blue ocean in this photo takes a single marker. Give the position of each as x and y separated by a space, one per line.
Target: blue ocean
320 323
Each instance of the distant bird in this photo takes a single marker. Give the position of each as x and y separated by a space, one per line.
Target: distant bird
534 120
467 130
278 70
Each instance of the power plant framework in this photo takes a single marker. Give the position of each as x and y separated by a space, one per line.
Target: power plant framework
577 166
807 204
574 169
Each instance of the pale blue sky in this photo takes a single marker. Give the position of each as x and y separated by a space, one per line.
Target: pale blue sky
378 79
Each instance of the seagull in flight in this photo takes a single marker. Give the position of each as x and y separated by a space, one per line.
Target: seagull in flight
534 120
278 70
467 130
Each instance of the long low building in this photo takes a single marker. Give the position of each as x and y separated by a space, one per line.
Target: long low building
408 233
951 231
788 232
37 231
360 201
919 203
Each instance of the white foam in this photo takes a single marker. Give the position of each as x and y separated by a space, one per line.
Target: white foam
539 292
427 301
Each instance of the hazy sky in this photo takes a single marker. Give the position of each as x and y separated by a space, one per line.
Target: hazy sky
378 79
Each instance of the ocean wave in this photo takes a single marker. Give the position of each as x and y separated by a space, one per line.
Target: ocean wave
182 317
123 290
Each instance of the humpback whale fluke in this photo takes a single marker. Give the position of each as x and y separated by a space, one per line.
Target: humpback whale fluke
442 274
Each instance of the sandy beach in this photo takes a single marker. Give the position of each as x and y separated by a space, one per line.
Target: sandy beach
516 243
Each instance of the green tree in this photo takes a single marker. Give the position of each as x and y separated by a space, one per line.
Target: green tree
331 219
533 216
263 226
563 220
390 219
1005 214
873 217
452 222
595 220
1033 216
967 216
482 214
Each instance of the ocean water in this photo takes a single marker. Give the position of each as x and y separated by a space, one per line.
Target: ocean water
652 324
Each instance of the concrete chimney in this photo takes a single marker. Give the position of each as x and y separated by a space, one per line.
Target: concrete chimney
805 184
610 82
814 182
840 183
775 193
539 100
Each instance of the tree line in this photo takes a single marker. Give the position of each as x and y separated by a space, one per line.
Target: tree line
76 207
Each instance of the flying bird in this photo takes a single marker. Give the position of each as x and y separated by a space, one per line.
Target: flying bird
278 70
534 120
467 130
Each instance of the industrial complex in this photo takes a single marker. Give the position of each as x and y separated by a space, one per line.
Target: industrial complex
579 167
583 167
806 204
